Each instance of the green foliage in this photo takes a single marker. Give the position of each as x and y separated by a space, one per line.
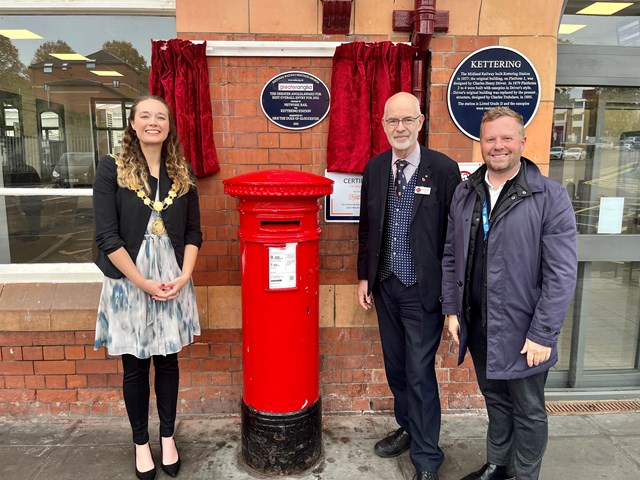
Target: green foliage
43 51
13 73
126 52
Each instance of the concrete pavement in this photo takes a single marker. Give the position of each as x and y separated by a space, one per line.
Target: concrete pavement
581 447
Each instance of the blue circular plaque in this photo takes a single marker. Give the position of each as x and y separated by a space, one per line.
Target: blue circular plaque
295 100
492 77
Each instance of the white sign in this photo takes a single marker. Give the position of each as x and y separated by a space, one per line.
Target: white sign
343 205
282 266
467 169
610 219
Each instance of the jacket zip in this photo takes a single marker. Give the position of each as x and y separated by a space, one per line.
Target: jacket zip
504 207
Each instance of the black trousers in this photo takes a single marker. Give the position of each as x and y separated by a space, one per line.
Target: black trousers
137 392
518 430
410 338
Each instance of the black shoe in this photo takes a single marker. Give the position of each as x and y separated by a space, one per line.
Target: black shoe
489 471
426 476
149 474
393 444
173 469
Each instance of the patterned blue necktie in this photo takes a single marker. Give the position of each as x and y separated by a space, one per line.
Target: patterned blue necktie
401 181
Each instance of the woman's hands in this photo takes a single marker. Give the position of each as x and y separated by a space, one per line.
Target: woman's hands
159 291
164 291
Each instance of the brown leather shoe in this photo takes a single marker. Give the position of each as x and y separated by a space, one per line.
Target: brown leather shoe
393 444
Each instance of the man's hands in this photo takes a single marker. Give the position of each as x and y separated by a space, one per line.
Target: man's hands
366 301
536 353
454 327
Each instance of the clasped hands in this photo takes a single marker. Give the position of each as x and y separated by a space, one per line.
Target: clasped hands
162 292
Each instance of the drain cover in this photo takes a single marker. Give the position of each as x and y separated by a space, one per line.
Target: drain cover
592 406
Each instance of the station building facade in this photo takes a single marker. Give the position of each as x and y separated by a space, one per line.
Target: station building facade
57 116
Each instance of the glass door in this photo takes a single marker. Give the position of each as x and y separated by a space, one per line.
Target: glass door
595 154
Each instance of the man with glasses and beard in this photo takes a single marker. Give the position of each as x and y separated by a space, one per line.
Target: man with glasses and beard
405 198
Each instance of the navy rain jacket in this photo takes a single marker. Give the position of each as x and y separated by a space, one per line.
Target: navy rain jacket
530 267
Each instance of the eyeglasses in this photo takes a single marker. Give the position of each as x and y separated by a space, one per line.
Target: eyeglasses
406 121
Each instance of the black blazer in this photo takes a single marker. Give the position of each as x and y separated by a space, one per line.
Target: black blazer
121 217
429 218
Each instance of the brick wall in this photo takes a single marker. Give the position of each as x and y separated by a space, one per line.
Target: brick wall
59 374
48 366
447 53
246 141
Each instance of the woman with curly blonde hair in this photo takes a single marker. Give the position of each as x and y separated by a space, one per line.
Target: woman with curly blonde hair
147 221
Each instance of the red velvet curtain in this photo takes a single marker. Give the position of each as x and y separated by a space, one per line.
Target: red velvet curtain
364 76
180 75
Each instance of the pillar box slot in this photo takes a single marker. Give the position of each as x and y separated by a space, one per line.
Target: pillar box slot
276 226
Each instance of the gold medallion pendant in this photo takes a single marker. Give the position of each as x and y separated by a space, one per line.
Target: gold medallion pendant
157 226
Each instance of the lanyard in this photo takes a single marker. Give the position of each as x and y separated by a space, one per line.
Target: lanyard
485 219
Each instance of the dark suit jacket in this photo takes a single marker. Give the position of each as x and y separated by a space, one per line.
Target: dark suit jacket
121 217
428 219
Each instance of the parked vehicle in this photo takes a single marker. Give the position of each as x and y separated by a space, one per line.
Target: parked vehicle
575 153
556 153
630 143
74 170
630 140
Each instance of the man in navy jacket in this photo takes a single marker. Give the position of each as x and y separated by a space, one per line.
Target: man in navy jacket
509 274
405 198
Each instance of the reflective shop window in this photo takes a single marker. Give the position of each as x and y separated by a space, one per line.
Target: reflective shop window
608 314
67 83
600 23
595 154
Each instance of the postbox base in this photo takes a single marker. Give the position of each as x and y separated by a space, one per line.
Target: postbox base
282 443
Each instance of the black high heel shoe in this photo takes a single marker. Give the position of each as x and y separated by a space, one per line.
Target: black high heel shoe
173 469
149 474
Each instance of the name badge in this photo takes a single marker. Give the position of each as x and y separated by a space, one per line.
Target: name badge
422 190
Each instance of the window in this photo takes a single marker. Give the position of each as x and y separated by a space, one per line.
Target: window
607 26
66 86
50 126
601 152
110 118
595 155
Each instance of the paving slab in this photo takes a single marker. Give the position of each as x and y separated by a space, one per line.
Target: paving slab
581 447
617 424
22 462
631 446
96 462
43 433
462 456
587 458
573 426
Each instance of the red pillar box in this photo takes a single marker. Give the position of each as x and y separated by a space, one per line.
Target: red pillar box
279 237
